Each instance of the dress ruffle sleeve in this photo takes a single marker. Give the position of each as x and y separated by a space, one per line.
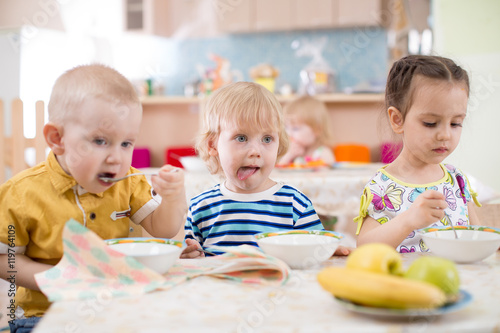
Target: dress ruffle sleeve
366 199
473 193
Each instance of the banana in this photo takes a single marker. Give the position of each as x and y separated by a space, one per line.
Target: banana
380 290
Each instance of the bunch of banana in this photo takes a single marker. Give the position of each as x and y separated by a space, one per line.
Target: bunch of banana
373 276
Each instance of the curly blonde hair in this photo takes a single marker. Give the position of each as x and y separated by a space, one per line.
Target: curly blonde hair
243 104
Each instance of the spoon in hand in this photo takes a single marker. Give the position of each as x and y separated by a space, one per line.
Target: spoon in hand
452 227
114 180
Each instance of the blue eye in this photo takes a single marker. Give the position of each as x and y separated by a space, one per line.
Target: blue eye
267 139
99 142
241 138
126 144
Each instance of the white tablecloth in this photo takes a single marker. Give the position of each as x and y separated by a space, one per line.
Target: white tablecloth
206 304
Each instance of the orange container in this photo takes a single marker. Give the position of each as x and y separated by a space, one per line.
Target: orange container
351 153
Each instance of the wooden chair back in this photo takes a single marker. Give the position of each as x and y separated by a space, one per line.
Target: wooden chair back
489 214
12 154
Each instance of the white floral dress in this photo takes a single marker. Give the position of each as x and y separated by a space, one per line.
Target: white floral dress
384 197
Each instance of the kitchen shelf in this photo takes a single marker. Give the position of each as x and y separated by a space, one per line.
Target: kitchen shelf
327 98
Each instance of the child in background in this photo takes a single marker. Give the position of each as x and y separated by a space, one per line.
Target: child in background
94 122
307 125
243 134
426 101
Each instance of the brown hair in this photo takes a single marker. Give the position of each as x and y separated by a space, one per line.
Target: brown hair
402 81
243 104
312 112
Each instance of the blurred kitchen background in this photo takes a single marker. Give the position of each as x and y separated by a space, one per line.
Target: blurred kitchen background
170 48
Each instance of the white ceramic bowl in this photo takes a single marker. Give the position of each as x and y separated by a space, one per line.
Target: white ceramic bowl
300 248
193 163
474 243
159 254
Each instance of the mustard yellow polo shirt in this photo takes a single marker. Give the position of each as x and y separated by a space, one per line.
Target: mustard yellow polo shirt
36 203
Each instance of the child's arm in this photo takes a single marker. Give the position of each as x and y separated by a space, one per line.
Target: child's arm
427 209
26 270
294 150
166 220
473 218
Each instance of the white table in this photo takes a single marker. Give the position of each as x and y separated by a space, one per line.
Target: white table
206 304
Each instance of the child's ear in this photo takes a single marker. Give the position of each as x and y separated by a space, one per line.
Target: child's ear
396 120
212 149
53 136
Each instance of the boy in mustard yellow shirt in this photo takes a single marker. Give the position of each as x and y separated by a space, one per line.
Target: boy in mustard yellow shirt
94 121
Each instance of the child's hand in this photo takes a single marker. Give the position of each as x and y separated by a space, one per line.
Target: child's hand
169 183
342 251
294 150
427 209
191 250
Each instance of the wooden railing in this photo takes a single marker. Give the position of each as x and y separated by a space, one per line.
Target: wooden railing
13 147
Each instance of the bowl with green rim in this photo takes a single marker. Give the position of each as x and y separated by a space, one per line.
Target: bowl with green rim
473 243
159 254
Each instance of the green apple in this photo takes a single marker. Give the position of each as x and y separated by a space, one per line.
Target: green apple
377 258
439 271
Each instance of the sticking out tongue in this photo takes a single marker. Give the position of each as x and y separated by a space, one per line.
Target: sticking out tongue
245 172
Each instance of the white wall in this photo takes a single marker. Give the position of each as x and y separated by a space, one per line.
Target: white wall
9 67
467 31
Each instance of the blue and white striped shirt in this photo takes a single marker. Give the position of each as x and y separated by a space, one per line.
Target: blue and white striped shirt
224 218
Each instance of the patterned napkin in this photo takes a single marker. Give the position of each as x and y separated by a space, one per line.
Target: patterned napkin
90 269
243 264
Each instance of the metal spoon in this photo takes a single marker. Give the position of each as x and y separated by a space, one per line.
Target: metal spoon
114 180
452 227
454 231
206 251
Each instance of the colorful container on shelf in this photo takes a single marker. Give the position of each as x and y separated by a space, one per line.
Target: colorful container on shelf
173 155
352 153
141 157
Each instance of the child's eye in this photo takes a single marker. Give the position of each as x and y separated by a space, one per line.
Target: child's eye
126 144
267 139
241 138
456 124
99 141
426 124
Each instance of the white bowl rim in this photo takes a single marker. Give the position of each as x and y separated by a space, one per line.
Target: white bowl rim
459 228
327 233
146 240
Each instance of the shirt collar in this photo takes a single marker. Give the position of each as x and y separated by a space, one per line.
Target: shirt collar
61 181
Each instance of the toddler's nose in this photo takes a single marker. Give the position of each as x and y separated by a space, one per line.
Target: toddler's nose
444 133
254 149
114 156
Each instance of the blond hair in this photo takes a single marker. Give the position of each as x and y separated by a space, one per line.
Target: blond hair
76 85
312 112
242 104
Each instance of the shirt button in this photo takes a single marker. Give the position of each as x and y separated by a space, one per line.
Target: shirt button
92 216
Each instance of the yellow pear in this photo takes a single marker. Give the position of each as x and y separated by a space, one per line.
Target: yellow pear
376 258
